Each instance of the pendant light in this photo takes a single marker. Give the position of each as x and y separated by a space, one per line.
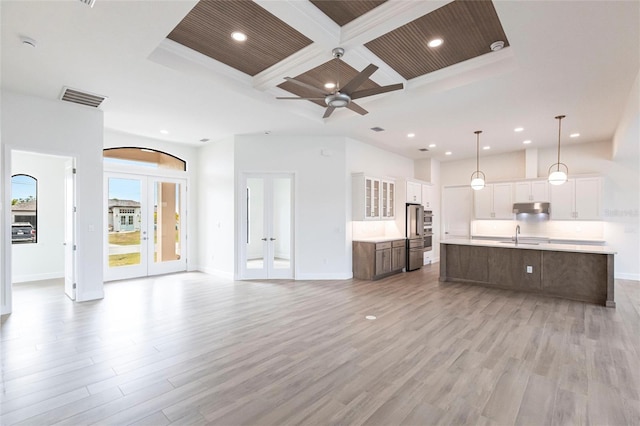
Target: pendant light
557 176
477 177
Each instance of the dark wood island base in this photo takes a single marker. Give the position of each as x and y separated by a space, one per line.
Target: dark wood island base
582 275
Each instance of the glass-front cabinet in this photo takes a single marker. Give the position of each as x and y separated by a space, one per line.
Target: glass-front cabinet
373 197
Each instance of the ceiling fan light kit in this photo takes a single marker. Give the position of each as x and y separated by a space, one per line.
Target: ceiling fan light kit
477 177
342 97
557 176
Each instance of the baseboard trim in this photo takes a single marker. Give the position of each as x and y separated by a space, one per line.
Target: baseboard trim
625 276
332 276
88 296
216 272
36 277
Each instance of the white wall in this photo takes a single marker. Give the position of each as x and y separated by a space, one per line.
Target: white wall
496 167
45 259
188 153
622 194
216 242
320 196
59 128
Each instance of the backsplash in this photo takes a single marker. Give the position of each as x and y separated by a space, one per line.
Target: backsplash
375 228
581 230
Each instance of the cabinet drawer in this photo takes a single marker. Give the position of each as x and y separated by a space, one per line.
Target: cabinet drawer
398 243
382 246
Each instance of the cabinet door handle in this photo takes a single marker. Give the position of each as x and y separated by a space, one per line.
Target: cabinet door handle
263 239
272 239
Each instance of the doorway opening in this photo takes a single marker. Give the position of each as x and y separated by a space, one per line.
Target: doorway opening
266 234
43 220
145 213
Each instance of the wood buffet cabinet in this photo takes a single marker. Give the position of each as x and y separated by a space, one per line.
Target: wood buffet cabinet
377 259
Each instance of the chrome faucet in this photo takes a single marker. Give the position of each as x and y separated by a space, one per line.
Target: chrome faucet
517 233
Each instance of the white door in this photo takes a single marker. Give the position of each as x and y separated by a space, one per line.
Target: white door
145 226
266 230
456 211
70 272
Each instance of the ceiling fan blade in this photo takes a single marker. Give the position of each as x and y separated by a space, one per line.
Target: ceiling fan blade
302 99
357 108
359 79
376 91
328 111
305 85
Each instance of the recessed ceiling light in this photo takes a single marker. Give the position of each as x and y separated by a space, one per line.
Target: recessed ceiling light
330 86
518 129
496 45
527 142
486 147
370 317
433 145
574 135
164 132
448 153
411 135
238 36
435 42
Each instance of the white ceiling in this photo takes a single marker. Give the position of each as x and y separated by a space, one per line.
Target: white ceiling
578 58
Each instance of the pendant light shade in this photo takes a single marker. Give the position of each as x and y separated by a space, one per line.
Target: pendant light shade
558 171
477 177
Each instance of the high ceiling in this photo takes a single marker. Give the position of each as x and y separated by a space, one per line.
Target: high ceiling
159 71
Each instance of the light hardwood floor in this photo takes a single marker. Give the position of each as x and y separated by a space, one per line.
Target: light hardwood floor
194 349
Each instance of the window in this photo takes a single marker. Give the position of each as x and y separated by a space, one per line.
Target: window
145 157
130 220
123 220
24 209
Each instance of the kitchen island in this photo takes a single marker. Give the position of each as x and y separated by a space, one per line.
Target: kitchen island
576 272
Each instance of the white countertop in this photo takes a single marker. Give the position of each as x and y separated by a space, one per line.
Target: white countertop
378 239
542 246
538 237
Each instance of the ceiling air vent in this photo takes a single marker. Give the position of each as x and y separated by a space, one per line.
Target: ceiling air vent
377 129
82 98
89 3
423 149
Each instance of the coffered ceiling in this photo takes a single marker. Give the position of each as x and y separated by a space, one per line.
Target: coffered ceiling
172 65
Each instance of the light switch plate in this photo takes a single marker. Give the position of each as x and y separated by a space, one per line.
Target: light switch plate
529 269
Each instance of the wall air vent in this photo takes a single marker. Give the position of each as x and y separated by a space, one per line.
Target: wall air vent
377 129
82 98
89 3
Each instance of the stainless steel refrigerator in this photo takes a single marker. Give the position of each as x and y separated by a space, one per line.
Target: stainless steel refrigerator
415 236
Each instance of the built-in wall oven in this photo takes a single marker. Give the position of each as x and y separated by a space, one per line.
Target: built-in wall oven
428 230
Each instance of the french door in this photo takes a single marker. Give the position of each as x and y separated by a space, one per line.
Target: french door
266 231
146 226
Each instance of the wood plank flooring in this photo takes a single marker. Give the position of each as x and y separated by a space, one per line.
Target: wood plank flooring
192 349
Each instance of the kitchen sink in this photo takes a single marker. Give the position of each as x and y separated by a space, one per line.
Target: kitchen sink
519 243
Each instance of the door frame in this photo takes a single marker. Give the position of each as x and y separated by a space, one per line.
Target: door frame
241 228
147 176
6 255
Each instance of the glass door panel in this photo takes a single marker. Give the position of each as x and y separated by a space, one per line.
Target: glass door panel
282 223
167 244
126 229
255 232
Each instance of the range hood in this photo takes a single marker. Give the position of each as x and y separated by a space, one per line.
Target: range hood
531 208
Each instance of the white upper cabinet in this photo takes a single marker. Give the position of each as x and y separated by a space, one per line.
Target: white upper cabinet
388 199
577 198
427 197
537 190
372 198
414 192
494 201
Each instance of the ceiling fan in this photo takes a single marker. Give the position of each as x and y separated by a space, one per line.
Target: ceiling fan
343 97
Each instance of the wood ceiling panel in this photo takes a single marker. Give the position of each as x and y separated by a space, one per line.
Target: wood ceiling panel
208 26
344 11
467 27
322 74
